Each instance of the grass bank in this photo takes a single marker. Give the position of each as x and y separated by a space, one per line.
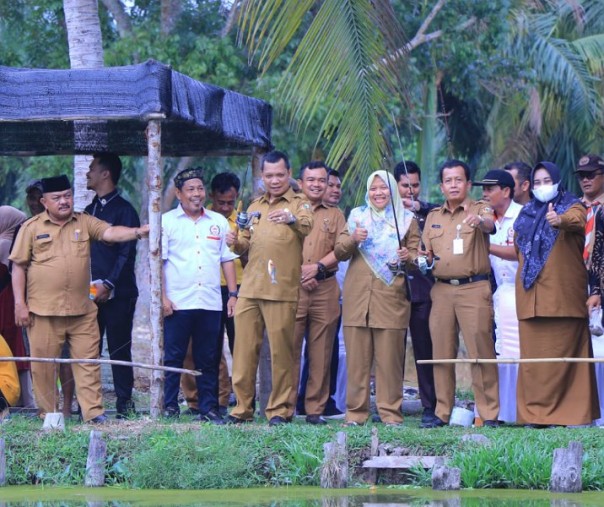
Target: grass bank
186 455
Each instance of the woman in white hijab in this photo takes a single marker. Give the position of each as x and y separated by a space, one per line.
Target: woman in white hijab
376 307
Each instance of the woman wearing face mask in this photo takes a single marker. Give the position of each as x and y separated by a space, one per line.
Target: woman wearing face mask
551 294
375 308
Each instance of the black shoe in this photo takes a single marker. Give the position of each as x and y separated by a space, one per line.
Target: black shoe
428 415
125 409
211 417
491 423
376 418
278 421
191 411
171 412
99 419
331 410
231 419
315 419
434 423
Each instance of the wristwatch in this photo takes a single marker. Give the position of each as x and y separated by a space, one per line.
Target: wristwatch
321 268
234 294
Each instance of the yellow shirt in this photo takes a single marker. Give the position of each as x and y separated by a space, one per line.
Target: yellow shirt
58 263
275 249
9 378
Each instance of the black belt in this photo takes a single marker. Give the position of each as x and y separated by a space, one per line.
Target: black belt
325 275
463 281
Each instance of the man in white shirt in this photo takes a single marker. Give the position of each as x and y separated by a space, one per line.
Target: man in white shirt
498 191
193 250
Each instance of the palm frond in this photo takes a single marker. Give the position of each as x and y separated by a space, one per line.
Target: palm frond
591 49
341 65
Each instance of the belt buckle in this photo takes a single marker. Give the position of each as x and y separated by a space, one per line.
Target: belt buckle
454 281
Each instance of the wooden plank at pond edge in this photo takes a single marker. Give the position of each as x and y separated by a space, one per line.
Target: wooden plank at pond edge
400 462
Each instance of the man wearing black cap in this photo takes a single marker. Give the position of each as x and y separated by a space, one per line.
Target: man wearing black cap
194 249
498 191
51 259
113 274
590 174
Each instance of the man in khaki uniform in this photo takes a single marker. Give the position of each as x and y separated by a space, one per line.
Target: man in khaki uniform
51 259
268 297
458 234
319 303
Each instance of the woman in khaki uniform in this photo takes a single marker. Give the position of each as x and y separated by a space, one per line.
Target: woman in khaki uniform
551 294
376 309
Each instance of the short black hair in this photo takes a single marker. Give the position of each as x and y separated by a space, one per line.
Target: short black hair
315 164
406 167
223 182
452 162
333 172
523 169
272 157
112 163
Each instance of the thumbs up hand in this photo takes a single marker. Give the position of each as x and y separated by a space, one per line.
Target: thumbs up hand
552 217
360 233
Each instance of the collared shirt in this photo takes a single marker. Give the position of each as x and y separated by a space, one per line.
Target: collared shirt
114 262
232 220
57 258
275 249
440 231
505 270
192 251
328 222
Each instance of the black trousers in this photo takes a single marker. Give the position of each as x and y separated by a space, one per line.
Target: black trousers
115 318
422 349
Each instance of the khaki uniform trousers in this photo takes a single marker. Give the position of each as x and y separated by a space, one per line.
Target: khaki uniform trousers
468 308
47 336
252 316
189 387
385 347
317 318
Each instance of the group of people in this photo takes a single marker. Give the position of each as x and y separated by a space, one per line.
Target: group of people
510 272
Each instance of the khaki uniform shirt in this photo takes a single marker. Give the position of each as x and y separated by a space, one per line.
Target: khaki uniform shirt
275 249
440 231
366 300
328 223
561 288
57 259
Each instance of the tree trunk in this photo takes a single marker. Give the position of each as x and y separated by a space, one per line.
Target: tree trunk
85 52
170 12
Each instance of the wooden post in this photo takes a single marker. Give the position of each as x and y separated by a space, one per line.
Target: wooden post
2 463
154 176
334 472
375 444
566 469
95 464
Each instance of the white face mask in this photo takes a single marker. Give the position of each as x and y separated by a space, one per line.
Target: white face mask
545 193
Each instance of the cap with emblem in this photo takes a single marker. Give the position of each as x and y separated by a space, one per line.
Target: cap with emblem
194 173
590 163
497 177
55 184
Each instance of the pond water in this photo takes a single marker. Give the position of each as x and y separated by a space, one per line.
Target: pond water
291 497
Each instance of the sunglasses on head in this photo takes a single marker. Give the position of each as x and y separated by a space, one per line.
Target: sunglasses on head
589 175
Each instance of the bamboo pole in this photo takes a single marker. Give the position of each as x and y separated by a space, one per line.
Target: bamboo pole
514 361
99 361
154 175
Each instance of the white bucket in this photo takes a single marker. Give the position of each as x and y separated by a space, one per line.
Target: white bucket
54 421
461 417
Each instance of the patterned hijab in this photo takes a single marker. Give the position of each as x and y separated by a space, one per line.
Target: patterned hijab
535 236
10 219
382 241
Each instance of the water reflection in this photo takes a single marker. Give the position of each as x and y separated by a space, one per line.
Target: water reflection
290 497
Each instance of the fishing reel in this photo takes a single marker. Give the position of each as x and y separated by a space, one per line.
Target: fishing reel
397 268
245 219
422 263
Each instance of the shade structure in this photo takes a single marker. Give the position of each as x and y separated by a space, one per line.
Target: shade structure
82 111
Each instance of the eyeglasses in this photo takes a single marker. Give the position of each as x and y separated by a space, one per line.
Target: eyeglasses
589 175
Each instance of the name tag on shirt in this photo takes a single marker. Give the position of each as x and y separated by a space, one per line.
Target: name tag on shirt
43 236
217 238
458 246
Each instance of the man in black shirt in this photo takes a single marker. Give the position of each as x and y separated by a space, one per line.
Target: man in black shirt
113 273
